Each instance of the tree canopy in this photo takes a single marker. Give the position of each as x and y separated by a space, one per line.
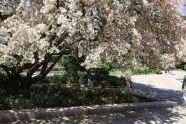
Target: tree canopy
34 38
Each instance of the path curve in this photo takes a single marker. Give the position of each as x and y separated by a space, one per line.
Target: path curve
161 87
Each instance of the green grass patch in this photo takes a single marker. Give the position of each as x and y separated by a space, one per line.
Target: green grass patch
134 71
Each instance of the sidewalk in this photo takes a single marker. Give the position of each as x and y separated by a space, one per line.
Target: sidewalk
153 116
161 87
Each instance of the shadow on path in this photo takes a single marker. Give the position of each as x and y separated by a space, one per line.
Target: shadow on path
162 116
158 94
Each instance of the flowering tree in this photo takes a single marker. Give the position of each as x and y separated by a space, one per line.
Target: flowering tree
40 32
144 33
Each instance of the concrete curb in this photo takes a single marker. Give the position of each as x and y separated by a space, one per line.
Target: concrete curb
48 113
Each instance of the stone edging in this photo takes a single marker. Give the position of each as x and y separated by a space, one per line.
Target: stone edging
11 116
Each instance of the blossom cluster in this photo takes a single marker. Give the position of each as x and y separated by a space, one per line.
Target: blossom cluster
116 29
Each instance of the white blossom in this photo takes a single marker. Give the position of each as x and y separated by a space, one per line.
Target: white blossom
106 28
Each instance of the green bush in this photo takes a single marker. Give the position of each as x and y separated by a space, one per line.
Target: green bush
5 83
13 102
61 78
3 78
75 74
54 96
99 77
121 97
18 103
181 66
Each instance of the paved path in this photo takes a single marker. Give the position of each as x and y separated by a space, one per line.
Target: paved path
153 116
161 87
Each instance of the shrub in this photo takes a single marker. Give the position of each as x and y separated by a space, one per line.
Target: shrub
76 74
181 66
99 77
61 78
55 95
